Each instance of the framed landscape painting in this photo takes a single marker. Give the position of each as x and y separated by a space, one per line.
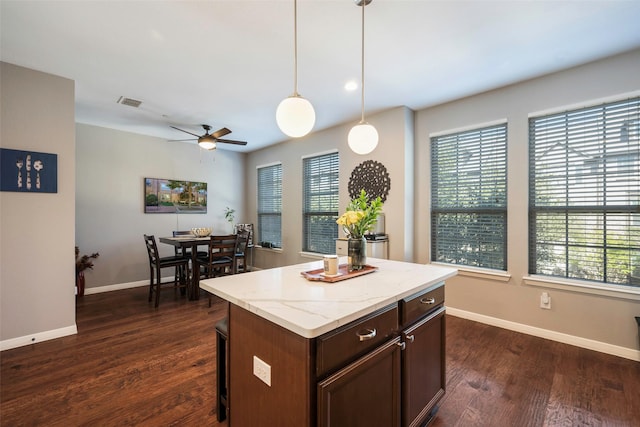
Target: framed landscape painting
174 196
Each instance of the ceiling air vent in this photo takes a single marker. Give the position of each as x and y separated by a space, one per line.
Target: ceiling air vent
129 101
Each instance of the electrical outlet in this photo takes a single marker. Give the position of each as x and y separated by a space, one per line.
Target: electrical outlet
262 370
545 301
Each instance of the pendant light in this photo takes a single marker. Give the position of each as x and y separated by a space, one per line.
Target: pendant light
363 137
295 114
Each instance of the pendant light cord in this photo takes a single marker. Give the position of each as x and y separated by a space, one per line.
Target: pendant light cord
364 3
295 48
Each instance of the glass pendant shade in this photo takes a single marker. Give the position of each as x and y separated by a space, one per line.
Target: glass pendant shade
295 116
363 138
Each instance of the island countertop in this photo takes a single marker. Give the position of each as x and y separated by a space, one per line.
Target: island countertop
312 308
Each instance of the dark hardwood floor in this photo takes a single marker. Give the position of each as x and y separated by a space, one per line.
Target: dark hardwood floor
497 377
131 364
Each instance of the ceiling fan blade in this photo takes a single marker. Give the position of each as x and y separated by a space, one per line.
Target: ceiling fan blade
181 140
220 132
231 141
185 131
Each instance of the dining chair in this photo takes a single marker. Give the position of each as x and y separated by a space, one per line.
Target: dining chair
180 251
185 252
219 260
240 258
157 263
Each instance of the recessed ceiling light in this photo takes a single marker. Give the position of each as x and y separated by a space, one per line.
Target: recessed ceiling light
351 86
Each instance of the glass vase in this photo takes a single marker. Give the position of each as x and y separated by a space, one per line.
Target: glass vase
357 253
80 283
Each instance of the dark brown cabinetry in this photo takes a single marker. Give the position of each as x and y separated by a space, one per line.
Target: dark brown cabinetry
423 360
384 369
423 375
365 393
363 361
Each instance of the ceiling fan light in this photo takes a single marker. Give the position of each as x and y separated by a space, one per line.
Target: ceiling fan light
295 116
363 138
207 143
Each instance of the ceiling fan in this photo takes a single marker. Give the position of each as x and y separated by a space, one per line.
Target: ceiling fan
208 141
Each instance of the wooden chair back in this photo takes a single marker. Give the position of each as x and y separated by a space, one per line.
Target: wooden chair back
156 263
152 250
241 242
241 248
222 248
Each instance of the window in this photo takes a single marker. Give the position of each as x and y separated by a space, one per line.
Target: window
270 205
469 198
320 203
584 195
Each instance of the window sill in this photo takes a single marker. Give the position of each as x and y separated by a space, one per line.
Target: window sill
615 291
481 273
277 250
313 255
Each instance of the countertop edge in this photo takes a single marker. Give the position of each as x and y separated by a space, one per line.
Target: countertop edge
332 325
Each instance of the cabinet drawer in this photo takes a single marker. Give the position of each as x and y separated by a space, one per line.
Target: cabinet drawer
417 305
337 348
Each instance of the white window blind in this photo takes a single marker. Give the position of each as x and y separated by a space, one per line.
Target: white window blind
270 206
320 203
469 197
584 195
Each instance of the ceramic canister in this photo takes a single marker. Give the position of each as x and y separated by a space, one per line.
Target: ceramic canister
331 265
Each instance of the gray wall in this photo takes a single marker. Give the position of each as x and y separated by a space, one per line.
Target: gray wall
37 274
110 219
607 318
394 151
602 320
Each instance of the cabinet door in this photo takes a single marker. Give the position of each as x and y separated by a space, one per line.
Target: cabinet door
365 393
423 368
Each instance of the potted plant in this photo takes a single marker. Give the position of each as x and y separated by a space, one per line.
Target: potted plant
229 215
360 217
82 263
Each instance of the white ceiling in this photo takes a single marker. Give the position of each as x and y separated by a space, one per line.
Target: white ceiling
230 62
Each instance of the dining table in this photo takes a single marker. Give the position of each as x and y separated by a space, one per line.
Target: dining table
189 242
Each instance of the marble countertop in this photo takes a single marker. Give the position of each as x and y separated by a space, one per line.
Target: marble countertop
310 308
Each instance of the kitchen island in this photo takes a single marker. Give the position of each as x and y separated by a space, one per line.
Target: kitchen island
307 353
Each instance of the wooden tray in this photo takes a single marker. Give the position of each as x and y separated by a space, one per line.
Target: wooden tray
343 273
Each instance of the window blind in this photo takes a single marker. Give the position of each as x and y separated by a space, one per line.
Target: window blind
270 205
584 195
469 197
320 203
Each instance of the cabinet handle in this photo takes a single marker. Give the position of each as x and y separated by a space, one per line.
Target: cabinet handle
427 300
411 338
370 333
401 345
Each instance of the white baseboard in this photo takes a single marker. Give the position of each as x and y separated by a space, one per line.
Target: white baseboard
38 337
120 286
129 285
627 353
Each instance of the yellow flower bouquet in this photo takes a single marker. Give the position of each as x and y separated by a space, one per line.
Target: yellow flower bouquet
361 216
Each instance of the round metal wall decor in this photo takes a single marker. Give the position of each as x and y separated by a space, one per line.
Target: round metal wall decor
371 176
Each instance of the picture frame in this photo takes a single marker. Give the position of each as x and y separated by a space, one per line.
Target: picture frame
174 196
28 171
